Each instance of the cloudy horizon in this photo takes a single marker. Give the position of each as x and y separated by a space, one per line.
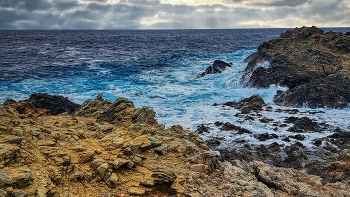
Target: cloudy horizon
172 14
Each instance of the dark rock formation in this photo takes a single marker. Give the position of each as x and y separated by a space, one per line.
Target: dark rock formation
265 136
314 65
229 127
253 103
303 125
202 128
217 67
55 104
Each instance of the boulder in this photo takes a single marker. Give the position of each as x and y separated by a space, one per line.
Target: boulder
217 67
314 66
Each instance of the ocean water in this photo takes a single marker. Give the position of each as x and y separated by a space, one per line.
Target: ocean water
157 69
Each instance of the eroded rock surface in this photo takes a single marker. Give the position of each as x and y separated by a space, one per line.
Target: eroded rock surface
114 149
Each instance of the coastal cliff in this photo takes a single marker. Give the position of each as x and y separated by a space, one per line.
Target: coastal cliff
314 65
114 149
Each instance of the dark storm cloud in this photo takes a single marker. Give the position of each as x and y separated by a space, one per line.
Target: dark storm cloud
148 14
292 3
61 6
29 5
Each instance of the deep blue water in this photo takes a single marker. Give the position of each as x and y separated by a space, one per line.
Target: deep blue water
154 68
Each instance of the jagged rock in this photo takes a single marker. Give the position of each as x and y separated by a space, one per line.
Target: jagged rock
8 154
93 108
292 182
303 125
296 158
25 107
298 137
229 127
55 104
144 115
11 139
164 175
217 67
163 149
340 139
265 136
74 155
314 66
253 103
23 179
4 180
19 193
202 129
3 193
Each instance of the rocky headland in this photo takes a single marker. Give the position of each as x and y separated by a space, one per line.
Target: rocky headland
50 146
314 65
114 149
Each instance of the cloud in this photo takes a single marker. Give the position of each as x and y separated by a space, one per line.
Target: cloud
170 14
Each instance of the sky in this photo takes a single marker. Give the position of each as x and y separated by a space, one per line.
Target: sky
172 14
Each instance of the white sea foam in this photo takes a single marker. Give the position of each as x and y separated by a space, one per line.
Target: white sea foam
179 97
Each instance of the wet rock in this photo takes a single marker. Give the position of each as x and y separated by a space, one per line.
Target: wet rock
218 124
265 136
253 103
55 104
296 158
217 67
340 139
229 127
265 120
212 143
303 125
315 78
298 137
202 129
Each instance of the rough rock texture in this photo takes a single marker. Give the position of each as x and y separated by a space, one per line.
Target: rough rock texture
217 67
314 65
119 150
54 104
247 105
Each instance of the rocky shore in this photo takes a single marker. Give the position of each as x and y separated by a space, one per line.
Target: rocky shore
114 149
50 146
314 65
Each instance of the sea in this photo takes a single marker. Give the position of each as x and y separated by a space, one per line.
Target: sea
157 69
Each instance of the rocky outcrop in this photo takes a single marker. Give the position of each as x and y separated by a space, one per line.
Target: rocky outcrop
53 104
114 149
314 65
252 104
217 67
